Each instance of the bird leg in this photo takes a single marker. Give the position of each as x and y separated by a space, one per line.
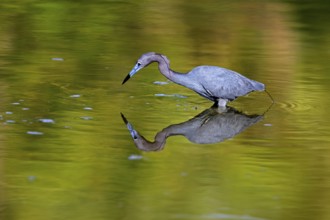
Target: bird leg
222 102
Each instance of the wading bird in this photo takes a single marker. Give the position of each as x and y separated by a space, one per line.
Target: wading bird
217 84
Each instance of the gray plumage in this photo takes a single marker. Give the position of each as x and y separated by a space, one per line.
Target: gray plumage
213 125
217 84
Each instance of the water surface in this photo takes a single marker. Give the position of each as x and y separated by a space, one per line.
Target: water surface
66 153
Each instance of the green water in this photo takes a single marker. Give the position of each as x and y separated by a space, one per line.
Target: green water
65 152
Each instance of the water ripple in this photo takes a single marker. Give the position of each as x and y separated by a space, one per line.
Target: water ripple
295 106
161 83
47 120
171 95
34 132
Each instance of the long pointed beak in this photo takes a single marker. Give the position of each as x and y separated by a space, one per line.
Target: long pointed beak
130 128
135 69
126 78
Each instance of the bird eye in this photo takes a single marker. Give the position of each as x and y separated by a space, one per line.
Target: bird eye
138 63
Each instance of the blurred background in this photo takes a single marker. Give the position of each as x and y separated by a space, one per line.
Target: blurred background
65 152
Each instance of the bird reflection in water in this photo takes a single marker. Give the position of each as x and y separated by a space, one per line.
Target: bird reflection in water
213 125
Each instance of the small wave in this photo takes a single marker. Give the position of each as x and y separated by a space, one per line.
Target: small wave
35 133
161 83
135 157
47 120
75 96
171 95
57 59
86 118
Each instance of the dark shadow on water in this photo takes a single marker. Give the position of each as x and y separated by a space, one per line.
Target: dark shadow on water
213 125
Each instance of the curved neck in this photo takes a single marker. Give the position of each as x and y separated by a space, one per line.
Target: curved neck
145 145
163 65
164 68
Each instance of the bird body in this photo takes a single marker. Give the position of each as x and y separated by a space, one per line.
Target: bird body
214 82
217 84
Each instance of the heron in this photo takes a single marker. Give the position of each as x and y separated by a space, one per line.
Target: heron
217 84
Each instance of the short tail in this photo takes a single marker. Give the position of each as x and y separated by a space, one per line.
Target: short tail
261 87
258 86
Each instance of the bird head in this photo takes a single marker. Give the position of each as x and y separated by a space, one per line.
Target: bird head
142 62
